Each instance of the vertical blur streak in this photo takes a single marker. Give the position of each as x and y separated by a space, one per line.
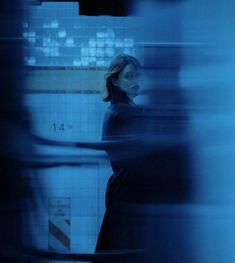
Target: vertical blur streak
168 234
13 188
202 229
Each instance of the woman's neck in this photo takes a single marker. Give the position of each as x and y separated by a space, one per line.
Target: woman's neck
131 97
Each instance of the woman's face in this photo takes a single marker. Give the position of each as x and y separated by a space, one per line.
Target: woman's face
128 80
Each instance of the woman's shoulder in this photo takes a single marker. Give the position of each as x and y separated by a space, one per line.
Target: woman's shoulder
123 111
116 110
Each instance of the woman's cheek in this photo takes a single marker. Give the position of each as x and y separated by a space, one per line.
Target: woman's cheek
125 85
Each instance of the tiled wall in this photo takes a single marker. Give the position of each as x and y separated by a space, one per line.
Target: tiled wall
69 117
58 36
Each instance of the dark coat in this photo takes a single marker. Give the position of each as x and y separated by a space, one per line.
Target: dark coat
140 177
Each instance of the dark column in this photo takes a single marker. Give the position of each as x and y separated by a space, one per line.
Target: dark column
13 185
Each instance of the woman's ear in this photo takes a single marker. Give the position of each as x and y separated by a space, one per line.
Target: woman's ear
114 82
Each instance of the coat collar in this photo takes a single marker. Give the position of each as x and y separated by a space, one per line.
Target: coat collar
123 99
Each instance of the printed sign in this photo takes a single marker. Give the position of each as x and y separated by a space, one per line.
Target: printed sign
59 224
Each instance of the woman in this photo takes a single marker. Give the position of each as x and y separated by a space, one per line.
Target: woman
147 169
123 120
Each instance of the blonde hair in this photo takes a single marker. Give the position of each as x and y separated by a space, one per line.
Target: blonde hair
117 65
